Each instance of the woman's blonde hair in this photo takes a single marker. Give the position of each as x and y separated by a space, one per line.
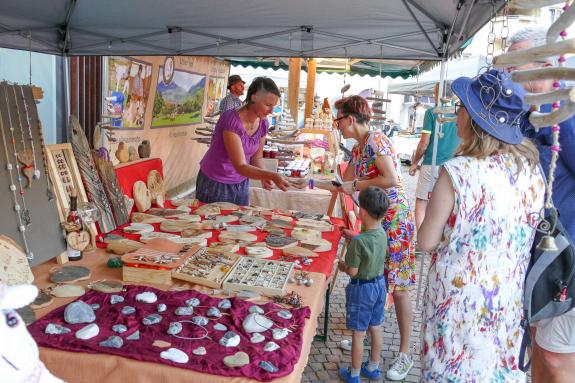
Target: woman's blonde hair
482 145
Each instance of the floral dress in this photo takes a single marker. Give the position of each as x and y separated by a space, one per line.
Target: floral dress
398 221
473 301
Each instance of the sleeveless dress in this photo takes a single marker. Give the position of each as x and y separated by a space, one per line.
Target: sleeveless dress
473 301
398 222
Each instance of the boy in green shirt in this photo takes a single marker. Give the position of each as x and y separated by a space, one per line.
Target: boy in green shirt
366 292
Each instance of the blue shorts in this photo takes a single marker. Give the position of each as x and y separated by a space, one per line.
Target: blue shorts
364 303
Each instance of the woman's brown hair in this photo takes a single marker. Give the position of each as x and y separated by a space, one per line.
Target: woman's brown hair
356 106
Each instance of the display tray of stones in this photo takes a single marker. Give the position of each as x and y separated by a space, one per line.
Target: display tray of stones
186 329
206 268
261 275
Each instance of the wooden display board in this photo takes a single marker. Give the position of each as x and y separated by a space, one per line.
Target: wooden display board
200 269
43 235
271 279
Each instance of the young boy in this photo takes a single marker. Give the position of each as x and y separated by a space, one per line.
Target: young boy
365 294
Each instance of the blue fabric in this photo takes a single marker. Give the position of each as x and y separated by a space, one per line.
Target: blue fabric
564 184
494 102
447 143
364 304
208 191
230 102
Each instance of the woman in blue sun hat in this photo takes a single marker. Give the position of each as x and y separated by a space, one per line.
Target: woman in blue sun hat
479 229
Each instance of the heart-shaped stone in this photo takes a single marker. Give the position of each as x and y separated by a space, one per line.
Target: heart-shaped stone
199 351
257 338
271 346
239 359
78 240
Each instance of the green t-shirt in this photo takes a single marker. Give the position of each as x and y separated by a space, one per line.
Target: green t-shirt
447 143
367 252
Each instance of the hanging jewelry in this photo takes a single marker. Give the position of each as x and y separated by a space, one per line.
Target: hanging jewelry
22 216
25 156
36 174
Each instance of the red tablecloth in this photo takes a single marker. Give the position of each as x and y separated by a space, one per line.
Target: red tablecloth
134 171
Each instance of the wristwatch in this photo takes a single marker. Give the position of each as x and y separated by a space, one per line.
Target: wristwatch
354 185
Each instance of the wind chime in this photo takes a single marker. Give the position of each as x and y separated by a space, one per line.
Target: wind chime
560 111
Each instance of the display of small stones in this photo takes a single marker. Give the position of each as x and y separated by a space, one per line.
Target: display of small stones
193 302
264 276
225 304
280 333
256 323
184 311
257 338
214 312
175 355
70 274
200 320
230 339
206 268
175 328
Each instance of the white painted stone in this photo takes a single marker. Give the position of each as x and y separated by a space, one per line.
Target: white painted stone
175 355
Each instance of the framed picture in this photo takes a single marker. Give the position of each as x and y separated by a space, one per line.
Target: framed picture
65 176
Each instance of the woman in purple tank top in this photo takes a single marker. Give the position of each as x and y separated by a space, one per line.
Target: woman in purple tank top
236 152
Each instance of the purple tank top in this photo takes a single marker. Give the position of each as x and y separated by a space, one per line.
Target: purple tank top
216 163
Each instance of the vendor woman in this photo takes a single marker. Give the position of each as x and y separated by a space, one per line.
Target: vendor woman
236 151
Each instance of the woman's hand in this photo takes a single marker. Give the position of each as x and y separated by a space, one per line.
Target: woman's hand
347 187
267 184
412 169
280 181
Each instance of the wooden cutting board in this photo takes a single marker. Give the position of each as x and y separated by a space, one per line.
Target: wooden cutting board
196 233
14 267
146 237
297 251
189 202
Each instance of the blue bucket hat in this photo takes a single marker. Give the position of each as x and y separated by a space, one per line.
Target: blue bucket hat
493 102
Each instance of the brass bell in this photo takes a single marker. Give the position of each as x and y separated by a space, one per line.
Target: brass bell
547 243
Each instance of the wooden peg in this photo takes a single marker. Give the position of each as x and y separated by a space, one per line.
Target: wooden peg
543 74
562 23
541 120
549 97
539 53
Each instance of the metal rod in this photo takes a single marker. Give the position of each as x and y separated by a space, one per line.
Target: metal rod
420 26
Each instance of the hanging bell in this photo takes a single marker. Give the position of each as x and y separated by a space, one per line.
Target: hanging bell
547 243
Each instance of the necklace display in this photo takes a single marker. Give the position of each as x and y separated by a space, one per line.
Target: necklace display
35 171
23 215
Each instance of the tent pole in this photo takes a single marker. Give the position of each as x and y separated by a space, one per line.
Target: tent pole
67 102
293 86
310 86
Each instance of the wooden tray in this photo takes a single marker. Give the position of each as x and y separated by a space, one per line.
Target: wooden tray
191 269
279 276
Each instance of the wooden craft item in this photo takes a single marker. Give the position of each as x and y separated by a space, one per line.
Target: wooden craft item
280 223
317 245
171 254
67 291
241 228
206 268
550 97
237 236
42 300
163 212
146 237
138 228
281 217
14 267
91 180
225 247
297 251
322 226
207 210
284 213
122 153
156 187
189 202
196 233
132 154
27 314
138 217
259 252
273 230
188 217
129 203
541 120
78 240
175 226
305 234
562 23
253 220
225 205
144 149
26 157
142 197
203 242
112 188
263 276
107 286
280 242
539 53
123 246
70 274
226 218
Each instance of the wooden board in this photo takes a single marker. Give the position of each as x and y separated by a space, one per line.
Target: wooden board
190 202
147 237
196 233
207 268
305 234
271 284
207 210
123 246
14 267
141 275
225 205
226 247
315 225
139 217
237 236
297 251
175 226
70 274
317 245
112 189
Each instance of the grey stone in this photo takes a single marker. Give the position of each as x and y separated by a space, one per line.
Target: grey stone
116 299
114 341
193 302
285 314
147 297
268 366
175 328
279 333
88 332
95 306
256 309
257 338
256 323
161 307
127 310
230 339
225 304
247 294
220 327
199 351
271 346
119 328
134 336
79 312
56 329
152 319
214 312
184 311
200 320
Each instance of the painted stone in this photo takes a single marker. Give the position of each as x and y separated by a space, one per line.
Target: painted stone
225 304
268 366
220 327
114 341
184 311
79 312
95 306
161 343
88 332
175 328
214 312
116 299
239 359
147 297
119 328
161 308
127 310
230 339
175 355
256 309
152 319
200 320
193 302
134 336
285 314
257 338
56 329
256 323
271 346
279 333
199 351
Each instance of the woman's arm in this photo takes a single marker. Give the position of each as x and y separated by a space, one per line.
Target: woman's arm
387 177
235 152
437 213
258 162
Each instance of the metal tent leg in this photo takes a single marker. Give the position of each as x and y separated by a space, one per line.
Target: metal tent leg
323 337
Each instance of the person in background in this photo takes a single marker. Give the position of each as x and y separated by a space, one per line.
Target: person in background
236 90
137 91
447 143
236 151
374 162
365 293
326 110
479 230
553 354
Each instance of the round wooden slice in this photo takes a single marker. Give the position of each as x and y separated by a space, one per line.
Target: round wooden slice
138 228
188 217
317 245
226 247
297 251
225 205
207 210
156 186
78 240
189 202
238 236
138 217
70 274
112 286
196 233
259 252
280 242
148 236
67 291
305 234
142 197
42 300
175 226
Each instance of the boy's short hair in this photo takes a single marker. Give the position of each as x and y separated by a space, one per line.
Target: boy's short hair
374 201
